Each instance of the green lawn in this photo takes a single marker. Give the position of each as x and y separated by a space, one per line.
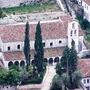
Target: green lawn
31 9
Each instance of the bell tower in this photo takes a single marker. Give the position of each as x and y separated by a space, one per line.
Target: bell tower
73 34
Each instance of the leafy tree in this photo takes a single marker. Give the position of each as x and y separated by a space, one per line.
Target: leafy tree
59 69
14 67
30 71
3 75
68 66
9 77
84 24
27 46
69 58
13 77
39 51
76 78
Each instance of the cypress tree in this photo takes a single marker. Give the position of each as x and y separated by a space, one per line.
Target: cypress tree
27 46
73 57
39 51
65 58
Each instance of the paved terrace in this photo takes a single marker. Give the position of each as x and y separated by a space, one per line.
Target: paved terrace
14 19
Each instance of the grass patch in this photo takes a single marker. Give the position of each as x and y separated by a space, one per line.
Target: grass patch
31 8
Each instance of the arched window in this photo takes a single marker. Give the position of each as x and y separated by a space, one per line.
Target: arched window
73 25
50 60
56 60
18 46
33 62
51 44
22 64
8 48
16 63
10 64
75 32
60 41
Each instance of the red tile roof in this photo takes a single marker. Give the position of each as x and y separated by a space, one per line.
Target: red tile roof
84 66
53 52
87 1
10 56
50 30
19 55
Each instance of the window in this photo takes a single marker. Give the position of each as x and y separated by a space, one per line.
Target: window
73 25
71 33
51 44
84 81
9 48
18 46
87 80
43 44
87 88
60 41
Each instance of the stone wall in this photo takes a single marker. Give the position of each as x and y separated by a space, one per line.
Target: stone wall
30 87
8 88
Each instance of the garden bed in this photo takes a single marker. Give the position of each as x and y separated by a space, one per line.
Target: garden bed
32 8
33 80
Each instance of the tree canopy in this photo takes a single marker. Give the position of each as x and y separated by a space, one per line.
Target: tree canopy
27 46
39 50
68 67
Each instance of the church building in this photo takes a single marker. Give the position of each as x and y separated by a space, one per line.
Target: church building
56 34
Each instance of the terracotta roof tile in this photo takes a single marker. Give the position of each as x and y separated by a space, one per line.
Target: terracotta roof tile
19 55
50 30
87 1
84 66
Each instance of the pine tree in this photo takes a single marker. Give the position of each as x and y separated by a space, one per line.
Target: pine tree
39 51
27 46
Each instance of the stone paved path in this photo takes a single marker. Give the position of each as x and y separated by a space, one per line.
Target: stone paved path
50 73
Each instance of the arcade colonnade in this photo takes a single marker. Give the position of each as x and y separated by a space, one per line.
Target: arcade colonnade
22 63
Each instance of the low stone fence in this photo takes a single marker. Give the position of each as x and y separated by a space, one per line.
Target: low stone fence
30 87
8 88
84 53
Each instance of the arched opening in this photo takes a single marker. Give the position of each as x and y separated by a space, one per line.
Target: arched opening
10 64
16 63
45 60
50 60
33 62
22 64
56 59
